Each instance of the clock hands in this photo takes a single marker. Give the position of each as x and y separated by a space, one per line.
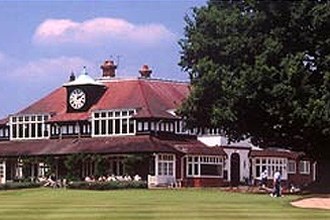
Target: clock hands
77 98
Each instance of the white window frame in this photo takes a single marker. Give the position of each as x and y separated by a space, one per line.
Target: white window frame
199 160
28 121
294 163
165 165
304 167
113 116
272 164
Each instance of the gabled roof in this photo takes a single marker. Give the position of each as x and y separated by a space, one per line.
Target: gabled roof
152 98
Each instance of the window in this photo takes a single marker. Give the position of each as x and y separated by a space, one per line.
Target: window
271 164
146 126
117 166
105 123
204 166
4 132
165 164
304 167
29 126
43 169
70 129
292 166
181 128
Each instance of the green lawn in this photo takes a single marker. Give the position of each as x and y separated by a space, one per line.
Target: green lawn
148 204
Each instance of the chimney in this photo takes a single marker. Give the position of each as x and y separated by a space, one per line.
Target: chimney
145 71
109 69
72 77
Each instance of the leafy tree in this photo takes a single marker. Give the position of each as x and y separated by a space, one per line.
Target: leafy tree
261 69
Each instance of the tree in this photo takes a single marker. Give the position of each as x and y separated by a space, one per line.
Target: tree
261 69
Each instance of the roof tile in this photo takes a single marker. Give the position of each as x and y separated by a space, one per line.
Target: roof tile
152 98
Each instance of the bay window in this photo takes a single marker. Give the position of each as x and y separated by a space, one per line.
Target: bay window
204 166
271 164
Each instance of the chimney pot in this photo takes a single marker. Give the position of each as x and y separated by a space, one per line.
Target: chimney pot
109 68
145 71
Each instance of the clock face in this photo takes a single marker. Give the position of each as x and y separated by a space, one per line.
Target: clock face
77 99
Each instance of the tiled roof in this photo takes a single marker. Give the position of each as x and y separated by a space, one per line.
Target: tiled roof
190 145
276 153
152 99
3 121
113 145
69 117
54 103
200 149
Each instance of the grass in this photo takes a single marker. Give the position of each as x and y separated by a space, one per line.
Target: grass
40 204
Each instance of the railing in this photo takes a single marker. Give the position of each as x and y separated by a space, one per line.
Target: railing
161 181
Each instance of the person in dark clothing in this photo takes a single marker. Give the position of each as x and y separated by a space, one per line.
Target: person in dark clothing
277 184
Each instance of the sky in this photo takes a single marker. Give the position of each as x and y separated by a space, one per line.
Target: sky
42 42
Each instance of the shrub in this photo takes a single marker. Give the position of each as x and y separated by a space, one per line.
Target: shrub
19 185
108 185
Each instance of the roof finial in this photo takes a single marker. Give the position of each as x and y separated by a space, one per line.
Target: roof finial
84 71
72 77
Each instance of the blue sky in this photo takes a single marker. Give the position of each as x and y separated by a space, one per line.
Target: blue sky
41 42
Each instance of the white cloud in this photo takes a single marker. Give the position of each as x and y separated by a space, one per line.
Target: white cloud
50 70
99 31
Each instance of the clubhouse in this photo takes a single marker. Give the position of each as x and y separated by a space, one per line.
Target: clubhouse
109 125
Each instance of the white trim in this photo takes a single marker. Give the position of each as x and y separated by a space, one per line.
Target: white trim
26 122
208 160
304 167
165 163
111 116
314 171
272 164
295 167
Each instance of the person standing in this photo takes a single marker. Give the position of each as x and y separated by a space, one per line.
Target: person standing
277 184
264 178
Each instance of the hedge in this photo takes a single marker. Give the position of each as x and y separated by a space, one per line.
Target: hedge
108 185
19 185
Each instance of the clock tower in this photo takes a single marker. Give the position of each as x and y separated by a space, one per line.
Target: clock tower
82 93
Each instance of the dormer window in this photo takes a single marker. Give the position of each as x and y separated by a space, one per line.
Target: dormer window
29 127
114 122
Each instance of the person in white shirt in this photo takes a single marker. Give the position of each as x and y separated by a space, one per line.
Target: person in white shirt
264 178
277 184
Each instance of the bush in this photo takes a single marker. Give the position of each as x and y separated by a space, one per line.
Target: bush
19 185
108 185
